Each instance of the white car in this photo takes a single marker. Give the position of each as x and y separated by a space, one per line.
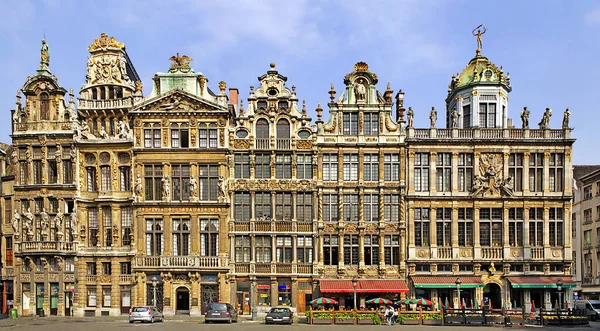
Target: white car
145 314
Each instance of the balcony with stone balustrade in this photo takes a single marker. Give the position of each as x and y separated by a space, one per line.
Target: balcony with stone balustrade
45 247
180 263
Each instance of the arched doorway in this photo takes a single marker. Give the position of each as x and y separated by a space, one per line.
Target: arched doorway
182 305
493 294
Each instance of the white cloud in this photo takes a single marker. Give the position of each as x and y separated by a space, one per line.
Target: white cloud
592 17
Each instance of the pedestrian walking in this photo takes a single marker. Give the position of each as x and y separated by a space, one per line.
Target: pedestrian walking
389 314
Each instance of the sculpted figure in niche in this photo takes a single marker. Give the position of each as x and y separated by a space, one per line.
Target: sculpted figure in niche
223 188
166 188
455 116
410 116
123 67
432 117
565 123
360 91
58 220
103 134
74 222
15 222
44 219
193 187
89 69
138 186
14 157
28 222
545 122
123 130
525 118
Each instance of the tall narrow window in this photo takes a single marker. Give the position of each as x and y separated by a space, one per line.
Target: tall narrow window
444 172
330 167
283 134
465 172
330 207
107 222
371 167
422 227
262 134
152 135
180 176
242 165
487 112
304 207
443 223
304 249
262 166
556 178
67 166
330 249
304 167
371 249
207 135
208 176
351 207
263 249
154 237
283 206
556 227
351 249
181 236
536 172
515 227
515 171
180 135
466 116
209 237
153 181
125 178
391 207
283 249
465 227
391 167
421 169
37 165
350 125
126 226
536 227
243 250
371 124
262 205
23 172
105 178
52 166
490 227
93 226
283 166
44 107
371 207
391 249
351 167
242 206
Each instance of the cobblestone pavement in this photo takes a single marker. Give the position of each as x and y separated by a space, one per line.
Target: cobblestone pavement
182 323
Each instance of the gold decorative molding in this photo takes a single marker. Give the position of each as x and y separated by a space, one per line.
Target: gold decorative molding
104 42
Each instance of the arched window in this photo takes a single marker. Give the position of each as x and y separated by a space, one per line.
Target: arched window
262 129
283 129
44 107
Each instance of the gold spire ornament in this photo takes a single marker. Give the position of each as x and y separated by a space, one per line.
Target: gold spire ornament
480 31
104 42
44 54
180 61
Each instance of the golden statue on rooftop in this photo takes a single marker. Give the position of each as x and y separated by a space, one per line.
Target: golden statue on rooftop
104 42
478 34
180 61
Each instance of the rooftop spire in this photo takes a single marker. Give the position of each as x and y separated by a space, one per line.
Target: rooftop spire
44 55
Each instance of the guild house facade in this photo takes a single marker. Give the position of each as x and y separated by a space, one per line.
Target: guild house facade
189 195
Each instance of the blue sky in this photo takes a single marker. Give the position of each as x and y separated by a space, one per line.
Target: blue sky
550 48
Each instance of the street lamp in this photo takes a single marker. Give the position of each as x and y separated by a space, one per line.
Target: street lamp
354 284
154 284
458 282
559 287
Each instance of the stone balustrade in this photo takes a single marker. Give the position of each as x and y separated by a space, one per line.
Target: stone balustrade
178 262
46 246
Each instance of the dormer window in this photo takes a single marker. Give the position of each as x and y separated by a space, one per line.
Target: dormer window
261 105
350 124
242 134
304 134
371 124
282 105
44 107
487 111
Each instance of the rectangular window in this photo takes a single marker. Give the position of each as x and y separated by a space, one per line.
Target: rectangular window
23 173
421 169
37 165
106 268
181 236
515 171
304 167
371 167
125 268
351 249
106 296
330 249
371 207
556 178
105 178
556 227
208 176
91 296
304 249
487 115
536 227
91 179
283 206
466 116
180 178
371 124
422 227
52 172
465 172
587 216
283 250
262 206
490 227
283 166
587 192
8 214
391 208
154 237
242 249
444 172
330 207
443 223
351 167
180 135
262 166
263 249
209 237
207 137
67 169
107 222
242 165
371 249
351 207
153 181
465 227
125 178
93 226
330 167
152 138
350 124
242 206
9 251
304 207
126 226
515 227
536 172
391 249
391 167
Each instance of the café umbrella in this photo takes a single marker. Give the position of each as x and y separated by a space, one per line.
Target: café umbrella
323 301
379 301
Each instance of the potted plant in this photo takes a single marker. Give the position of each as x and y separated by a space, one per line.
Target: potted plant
344 317
322 317
453 318
432 319
494 319
411 319
368 318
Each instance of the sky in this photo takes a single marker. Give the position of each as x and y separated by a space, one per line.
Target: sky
549 47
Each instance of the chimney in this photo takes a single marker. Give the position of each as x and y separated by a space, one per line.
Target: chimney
233 96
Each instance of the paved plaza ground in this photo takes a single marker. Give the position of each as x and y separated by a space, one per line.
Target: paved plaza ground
194 324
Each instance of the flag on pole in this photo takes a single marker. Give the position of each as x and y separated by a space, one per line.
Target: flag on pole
472 304
447 304
532 306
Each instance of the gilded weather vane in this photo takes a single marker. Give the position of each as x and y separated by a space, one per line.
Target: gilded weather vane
480 31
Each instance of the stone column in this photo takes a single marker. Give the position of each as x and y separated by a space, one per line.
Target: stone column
252 209
432 164
411 171
526 172
454 228
361 250
546 184
294 290
115 290
194 293
526 243
476 244
274 292
454 172
432 227
168 234
195 248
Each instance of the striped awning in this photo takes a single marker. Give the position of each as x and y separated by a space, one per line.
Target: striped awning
540 282
446 282
363 286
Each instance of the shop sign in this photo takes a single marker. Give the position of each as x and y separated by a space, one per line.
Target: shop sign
262 287
283 287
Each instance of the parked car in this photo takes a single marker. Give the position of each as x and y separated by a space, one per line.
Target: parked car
591 308
283 315
145 314
220 312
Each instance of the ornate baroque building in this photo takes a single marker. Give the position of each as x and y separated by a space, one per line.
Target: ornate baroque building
185 197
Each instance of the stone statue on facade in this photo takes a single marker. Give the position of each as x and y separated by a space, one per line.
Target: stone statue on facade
74 223
14 156
73 154
360 91
44 222
58 154
545 122
28 155
410 116
565 123
137 188
123 130
123 67
166 187
44 54
193 187
525 118
223 189
58 220
15 222
455 116
103 134
89 69
28 223
432 117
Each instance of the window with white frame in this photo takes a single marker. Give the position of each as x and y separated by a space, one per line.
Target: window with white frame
515 227
126 225
283 166
351 207
180 135
242 206
391 167
536 227
371 249
330 249
181 236
304 207
330 167
283 249
154 237
304 249
153 181
465 172
371 207
465 227
515 171
243 249
421 172
180 178
443 172
242 165
262 166
152 135
556 227
556 176
283 206
371 124
262 205
351 249
208 177
350 125
391 249
107 222
350 167
490 227
304 166
330 207
443 223
421 227
487 111
263 249
371 167
536 172
207 135
391 207
209 237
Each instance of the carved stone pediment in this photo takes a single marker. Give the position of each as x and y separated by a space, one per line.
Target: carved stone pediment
178 100
489 179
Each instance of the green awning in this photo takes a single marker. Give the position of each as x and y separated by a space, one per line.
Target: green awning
540 282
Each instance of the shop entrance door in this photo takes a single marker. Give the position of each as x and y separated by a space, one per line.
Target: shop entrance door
243 299
494 294
183 301
210 294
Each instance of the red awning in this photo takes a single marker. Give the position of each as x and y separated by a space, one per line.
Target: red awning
363 286
446 282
